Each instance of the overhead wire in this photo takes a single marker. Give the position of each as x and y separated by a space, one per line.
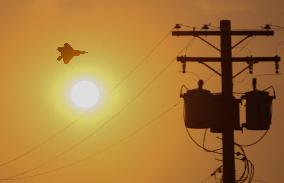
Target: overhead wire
195 142
243 79
200 146
204 137
36 147
210 77
279 44
112 145
278 26
255 76
257 141
244 46
104 123
239 51
248 171
142 61
260 75
60 131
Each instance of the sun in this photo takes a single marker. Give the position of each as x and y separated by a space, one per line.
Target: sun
85 94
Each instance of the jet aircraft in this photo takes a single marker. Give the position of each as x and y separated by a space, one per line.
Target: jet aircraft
67 53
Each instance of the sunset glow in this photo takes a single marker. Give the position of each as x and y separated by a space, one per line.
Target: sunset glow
85 94
110 107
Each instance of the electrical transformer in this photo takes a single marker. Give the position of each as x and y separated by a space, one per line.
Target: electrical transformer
206 110
258 110
198 108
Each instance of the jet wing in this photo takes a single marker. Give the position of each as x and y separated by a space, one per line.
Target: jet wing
68 46
67 58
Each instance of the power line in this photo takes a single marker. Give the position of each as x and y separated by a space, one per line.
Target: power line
138 130
257 141
255 76
104 123
142 61
239 51
278 45
59 132
244 47
204 138
34 148
200 146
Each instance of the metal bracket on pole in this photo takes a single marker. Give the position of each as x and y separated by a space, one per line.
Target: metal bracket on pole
238 43
213 46
243 70
211 68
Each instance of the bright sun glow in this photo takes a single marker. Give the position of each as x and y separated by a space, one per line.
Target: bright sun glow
85 94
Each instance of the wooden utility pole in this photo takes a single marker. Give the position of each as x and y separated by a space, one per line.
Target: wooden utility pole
227 92
227 127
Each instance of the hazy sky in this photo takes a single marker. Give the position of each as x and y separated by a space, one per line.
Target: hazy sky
117 34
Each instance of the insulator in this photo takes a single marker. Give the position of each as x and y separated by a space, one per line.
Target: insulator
177 26
267 27
277 67
205 27
183 67
250 68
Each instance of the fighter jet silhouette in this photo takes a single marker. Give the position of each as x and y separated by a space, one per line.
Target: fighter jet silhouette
67 53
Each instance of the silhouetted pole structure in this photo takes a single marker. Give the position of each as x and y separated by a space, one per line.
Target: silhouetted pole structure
227 92
226 125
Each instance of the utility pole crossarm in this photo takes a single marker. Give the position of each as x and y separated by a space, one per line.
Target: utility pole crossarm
218 33
196 33
234 59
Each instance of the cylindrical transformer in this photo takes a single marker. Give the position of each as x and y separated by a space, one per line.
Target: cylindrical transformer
198 108
202 109
258 110
206 110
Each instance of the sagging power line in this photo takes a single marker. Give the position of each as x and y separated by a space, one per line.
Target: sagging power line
81 160
73 122
104 122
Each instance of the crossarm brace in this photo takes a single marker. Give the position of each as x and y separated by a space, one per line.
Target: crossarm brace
238 43
243 70
213 46
211 68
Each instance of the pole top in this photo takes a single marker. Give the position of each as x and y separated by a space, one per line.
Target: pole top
225 24
225 21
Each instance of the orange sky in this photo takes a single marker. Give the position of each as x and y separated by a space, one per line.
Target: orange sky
117 34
